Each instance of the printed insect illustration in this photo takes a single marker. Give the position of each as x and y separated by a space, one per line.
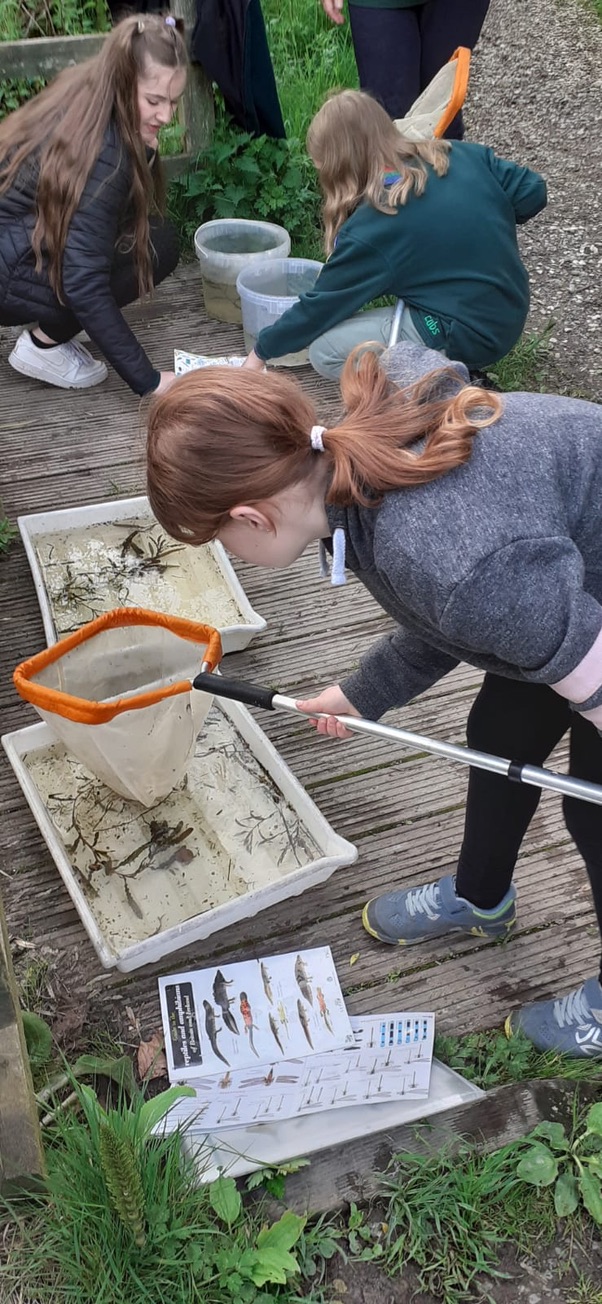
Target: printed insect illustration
282 1014
323 1008
221 998
247 1018
302 980
275 1033
304 1021
212 1030
260 1082
267 987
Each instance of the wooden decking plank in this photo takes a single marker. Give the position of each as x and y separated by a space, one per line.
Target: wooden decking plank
333 912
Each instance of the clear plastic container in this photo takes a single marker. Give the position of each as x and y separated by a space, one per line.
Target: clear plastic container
267 290
223 248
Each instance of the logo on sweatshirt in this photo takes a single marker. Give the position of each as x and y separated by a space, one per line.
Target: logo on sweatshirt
432 325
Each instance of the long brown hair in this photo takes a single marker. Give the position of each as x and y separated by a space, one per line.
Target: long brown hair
64 126
221 437
353 142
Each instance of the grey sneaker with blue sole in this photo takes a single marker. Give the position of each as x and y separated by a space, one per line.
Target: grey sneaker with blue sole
570 1025
420 913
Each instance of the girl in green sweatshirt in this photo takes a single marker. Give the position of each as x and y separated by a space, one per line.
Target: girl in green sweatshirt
430 223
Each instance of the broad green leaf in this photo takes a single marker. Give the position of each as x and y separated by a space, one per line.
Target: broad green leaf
553 1133
119 1070
538 1166
591 1194
594 1163
566 1195
274 1265
152 1111
593 1121
225 1199
282 1235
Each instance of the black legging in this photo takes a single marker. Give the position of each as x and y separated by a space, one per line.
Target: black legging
399 51
60 324
523 722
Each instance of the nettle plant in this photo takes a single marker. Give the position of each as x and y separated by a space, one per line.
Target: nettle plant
240 175
573 1166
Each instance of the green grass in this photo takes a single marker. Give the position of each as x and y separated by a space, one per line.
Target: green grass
34 18
7 534
490 1059
311 56
524 367
31 18
586 1291
449 1215
122 1221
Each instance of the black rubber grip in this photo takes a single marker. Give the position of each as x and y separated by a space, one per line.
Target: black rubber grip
236 689
515 771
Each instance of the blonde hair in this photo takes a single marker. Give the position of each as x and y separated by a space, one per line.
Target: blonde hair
353 142
219 438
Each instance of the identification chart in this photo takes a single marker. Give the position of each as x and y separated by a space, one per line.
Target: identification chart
390 1060
184 362
257 1012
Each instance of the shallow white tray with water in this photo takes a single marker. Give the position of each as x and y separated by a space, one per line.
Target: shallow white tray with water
87 560
238 835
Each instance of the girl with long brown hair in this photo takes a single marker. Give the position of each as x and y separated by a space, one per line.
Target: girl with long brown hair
81 198
476 523
431 223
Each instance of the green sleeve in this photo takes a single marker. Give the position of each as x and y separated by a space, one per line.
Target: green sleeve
525 189
355 274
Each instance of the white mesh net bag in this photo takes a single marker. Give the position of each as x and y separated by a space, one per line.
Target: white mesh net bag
118 693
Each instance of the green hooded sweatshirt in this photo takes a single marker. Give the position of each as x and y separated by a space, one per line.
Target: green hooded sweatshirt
451 255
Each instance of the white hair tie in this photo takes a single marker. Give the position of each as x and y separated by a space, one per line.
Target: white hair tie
315 438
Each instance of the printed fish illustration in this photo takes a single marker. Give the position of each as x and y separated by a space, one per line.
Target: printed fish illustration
274 1032
282 1014
247 1018
221 998
212 1030
302 980
323 1008
267 986
303 1020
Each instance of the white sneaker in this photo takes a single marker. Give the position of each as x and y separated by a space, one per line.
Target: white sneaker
69 366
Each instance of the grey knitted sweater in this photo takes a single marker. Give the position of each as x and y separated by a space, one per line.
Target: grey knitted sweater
498 563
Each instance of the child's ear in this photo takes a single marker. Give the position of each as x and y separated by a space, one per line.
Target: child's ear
253 518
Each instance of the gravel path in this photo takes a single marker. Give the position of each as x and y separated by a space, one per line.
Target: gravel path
536 97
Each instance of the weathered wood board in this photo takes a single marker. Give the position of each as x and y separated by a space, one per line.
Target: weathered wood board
21 1157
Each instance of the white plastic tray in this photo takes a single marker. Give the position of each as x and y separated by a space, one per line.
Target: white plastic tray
235 637
333 851
243 1150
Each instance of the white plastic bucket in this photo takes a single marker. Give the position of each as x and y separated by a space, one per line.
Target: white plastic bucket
267 290
224 247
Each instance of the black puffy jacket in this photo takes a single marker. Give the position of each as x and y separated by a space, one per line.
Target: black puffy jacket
87 261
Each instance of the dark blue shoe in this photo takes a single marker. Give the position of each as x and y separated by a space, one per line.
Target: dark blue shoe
403 918
571 1025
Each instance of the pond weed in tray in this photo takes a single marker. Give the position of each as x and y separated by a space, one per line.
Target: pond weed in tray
93 559
236 836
